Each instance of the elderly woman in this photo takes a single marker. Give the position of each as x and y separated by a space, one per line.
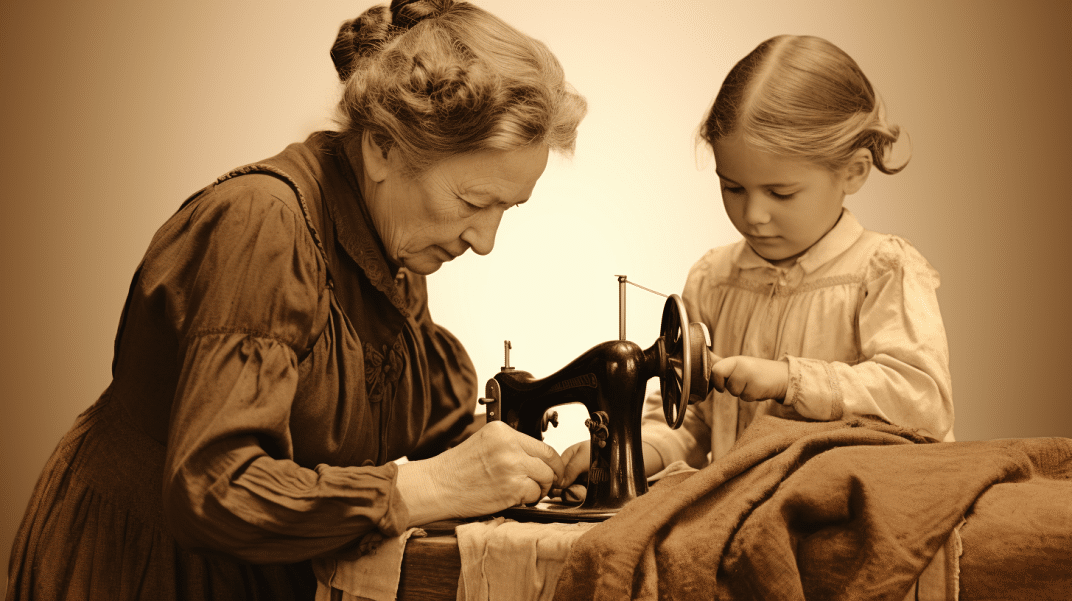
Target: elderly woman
276 353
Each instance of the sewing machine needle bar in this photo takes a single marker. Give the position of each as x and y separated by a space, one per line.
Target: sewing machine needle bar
621 306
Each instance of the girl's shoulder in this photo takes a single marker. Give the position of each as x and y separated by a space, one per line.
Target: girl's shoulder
718 262
889 253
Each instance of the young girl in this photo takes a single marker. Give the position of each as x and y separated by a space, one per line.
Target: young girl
811 315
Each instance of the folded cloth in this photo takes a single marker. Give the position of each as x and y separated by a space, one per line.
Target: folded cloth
507 560
372 572
819 510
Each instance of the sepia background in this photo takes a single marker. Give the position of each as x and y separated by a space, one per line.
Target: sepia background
113 112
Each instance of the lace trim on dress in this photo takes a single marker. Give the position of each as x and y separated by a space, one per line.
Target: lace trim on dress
768 288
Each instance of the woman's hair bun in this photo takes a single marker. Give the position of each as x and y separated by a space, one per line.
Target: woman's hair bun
362 36
407 13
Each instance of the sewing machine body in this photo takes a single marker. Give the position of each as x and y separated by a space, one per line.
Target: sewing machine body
610 380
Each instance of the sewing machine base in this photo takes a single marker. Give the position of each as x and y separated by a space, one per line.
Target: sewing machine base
547 511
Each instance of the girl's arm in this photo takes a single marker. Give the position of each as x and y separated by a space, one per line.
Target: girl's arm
904 375
662 445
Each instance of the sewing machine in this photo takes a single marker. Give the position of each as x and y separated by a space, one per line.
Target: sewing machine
610 380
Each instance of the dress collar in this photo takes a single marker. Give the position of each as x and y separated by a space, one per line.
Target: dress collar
323 170
356 232
844 234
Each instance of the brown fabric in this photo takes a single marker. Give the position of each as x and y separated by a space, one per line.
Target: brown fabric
267 371
1018 543
816 510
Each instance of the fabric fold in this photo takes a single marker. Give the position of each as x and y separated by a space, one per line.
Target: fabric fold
831 510
373 575
504 559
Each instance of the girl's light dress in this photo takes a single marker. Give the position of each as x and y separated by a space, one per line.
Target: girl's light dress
857 319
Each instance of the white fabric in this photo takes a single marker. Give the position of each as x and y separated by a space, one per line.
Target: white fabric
504 560
374 575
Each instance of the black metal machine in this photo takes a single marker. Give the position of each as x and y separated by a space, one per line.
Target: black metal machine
610 380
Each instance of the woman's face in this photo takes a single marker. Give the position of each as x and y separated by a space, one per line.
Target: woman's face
782 206
454 206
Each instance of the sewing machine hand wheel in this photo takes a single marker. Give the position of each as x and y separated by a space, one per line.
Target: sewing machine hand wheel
684 371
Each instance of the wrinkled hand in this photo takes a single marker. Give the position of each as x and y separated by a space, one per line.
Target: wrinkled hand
751 378
577 459
496 468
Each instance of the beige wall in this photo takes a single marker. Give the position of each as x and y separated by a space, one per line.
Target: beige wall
115 112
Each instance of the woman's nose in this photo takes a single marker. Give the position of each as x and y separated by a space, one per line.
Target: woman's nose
756 211
480 235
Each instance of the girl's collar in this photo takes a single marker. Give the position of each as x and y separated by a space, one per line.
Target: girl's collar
844 234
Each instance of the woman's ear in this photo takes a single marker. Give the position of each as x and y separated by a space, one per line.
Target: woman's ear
377 165
857 170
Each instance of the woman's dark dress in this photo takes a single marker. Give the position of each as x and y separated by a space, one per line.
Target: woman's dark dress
269 366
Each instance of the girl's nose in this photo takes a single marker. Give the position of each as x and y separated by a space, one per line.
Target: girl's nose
480 234
756 211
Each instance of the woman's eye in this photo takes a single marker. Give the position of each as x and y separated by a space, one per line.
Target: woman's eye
781 196
732 189
468 207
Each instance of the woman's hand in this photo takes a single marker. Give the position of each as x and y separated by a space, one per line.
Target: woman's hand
751 378
496 468
577 458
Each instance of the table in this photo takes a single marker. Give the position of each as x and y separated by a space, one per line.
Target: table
431 565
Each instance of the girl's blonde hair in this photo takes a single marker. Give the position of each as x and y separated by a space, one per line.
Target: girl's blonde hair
438 78
804 97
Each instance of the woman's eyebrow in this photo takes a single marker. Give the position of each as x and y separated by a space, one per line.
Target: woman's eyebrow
493 197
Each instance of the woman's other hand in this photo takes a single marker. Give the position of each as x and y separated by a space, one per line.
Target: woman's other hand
496 468
577 458
751 378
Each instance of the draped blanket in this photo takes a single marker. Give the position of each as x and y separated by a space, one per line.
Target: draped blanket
818 510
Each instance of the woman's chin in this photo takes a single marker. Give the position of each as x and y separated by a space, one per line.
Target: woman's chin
422 265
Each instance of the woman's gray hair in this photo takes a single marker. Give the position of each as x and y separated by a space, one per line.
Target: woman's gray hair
437 78
804 97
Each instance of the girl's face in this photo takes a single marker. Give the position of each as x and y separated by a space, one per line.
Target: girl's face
782 206
456 205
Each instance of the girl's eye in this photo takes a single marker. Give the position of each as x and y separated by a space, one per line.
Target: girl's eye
733 189
781 196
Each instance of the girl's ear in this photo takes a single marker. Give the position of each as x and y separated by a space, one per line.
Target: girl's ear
857 170
377 165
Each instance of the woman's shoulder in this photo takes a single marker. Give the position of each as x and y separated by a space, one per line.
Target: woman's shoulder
238 256
250 222
250 191
283 186
236 207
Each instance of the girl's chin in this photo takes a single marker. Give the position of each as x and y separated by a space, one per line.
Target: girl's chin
778 259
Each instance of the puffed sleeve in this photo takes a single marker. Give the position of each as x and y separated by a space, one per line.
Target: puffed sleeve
244 294
904 375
